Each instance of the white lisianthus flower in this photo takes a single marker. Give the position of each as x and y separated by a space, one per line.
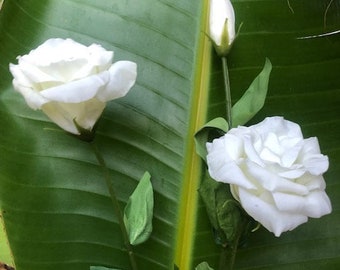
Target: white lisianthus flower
273 172
70 82
222 25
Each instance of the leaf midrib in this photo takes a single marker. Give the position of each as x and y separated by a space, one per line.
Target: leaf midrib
192 163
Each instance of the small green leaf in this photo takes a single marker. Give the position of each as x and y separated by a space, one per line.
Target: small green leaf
213 129
102 268
253 99
203 266
138 212
231 224
214 194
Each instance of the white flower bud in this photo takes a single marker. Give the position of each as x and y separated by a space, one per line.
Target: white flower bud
222 25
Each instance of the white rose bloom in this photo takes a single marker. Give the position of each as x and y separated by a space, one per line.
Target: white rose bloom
222 24
273 172
71 82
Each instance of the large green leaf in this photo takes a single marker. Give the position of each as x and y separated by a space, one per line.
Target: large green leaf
304 87
53 197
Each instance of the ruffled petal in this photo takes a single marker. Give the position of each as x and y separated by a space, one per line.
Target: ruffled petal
33 99
28 75
279 126
231 146
317 164
312 182
85 113
289 202
272 181
268 215
64 60
317 204
122 76
222 167
77 91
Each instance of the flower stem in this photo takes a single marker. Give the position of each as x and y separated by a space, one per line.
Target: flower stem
115 204
227 258
227 90
228 253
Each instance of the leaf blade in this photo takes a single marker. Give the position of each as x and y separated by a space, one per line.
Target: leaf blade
138 212
253 99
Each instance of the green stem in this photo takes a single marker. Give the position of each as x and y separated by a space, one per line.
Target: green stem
228 254
223 259
227 258
227 90
115 204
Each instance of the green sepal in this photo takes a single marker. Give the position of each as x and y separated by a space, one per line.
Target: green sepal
231 224
253 99
211 130
223 49
85 134
203 266
138 212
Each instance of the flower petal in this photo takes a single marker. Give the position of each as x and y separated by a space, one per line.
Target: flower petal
77 91
279 126
268 215
85 113
315 204
222 167
33 99
312 182
220 11
28 75
64 60
318 204
122 77
273 182
317 164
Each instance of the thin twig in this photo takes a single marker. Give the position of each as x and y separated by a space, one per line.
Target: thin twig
115 204
227 90
228 253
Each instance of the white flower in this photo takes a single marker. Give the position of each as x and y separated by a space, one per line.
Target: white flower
70 82
273 172
222 25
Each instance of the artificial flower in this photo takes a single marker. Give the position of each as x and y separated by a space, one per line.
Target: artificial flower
71 82
222 25
275 174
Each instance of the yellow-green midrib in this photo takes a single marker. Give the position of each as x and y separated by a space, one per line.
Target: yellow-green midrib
192 166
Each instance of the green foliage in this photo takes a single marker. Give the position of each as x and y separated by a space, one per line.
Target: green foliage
138 212
102 268
55 204
213 129
230 224
203 266
5 255
253 99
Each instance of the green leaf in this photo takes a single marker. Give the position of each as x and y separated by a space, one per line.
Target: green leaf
203 266
102 268
138 212
253 99
213 129
230 223
5 253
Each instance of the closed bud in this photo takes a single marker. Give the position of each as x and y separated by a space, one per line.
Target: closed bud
222 25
